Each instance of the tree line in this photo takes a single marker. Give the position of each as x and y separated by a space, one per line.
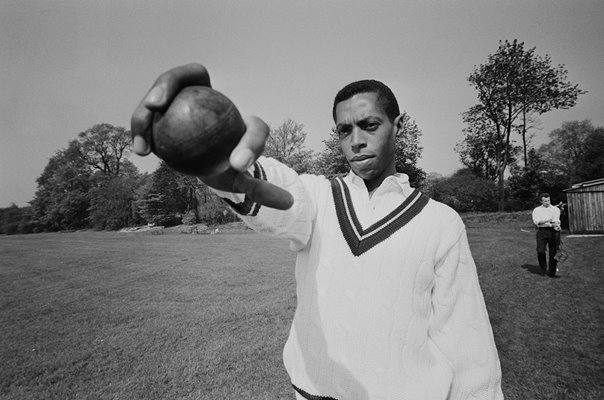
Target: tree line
92 184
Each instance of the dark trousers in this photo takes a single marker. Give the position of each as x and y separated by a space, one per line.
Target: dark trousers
547 238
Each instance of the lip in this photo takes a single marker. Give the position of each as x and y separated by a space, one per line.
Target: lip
361 157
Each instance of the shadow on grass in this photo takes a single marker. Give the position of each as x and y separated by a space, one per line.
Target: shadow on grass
535 269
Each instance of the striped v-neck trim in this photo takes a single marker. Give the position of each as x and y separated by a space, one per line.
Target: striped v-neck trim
361 240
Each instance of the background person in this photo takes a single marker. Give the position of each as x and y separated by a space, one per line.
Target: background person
546 218
388 300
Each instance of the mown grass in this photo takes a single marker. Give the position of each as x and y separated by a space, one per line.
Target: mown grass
108 315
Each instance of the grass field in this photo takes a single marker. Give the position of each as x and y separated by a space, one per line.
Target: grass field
109 315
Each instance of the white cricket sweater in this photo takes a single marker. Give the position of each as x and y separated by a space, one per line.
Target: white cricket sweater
389 305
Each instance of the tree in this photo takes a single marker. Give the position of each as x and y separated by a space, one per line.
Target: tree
104 147
15 219
576 150
464 191
286 144
594 155
525 183
167 196
483 146
517 82
88 183
112 199
331 161
408 152
61 200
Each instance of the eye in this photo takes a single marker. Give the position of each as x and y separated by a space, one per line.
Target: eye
369 125
343 131
372 126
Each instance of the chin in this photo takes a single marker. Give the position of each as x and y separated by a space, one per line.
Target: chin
366 175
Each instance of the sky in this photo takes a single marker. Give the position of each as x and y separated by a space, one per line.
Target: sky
67 65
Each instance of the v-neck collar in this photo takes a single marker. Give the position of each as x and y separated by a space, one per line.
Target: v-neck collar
361 240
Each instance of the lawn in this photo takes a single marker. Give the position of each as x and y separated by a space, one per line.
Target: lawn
110 315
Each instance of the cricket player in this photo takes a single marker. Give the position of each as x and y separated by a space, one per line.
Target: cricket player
546 218
389 305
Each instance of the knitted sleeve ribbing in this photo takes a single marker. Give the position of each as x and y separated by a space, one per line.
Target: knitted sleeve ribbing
294 224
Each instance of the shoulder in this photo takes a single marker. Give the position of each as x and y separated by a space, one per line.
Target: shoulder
448 226
442 210
445 217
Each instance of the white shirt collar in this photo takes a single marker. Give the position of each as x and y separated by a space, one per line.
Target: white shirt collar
398 182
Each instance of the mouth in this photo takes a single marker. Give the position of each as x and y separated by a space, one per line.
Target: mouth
360 157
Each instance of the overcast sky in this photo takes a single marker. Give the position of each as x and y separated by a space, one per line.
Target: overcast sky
67 65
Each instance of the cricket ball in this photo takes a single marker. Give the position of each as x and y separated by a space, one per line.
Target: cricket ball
197 132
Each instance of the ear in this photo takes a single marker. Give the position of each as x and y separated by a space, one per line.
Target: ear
399 124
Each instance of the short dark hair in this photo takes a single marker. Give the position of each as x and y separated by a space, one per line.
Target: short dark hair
542 195
385 97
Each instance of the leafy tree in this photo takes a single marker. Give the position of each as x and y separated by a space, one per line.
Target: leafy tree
525 183
594 155
15 219
432 179
167 196
331 161
104 147
515 82
286 144
79 186
408 152
61 200
112 199
576 151
483 147
464 191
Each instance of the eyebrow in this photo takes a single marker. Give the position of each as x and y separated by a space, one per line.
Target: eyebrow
359 122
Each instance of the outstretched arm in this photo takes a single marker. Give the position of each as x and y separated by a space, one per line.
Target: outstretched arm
246 152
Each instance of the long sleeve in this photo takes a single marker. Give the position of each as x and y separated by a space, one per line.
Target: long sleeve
535 216
460 326
294 224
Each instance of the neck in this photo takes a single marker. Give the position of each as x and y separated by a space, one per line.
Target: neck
373 184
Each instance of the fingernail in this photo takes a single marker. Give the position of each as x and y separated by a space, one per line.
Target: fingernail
242 159
155 95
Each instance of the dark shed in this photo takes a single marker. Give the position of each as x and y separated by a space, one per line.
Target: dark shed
586 207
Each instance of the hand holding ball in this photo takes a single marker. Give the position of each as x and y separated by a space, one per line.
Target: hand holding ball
196 136
198 131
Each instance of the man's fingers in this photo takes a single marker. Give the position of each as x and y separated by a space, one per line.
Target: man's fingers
167 86
140 128
251 145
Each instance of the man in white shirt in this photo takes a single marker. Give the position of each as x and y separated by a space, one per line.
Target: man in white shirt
546 218
388 300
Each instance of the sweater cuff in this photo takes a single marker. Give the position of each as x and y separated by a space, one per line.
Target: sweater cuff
239 202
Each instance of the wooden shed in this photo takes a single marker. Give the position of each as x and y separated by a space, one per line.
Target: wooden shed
586 207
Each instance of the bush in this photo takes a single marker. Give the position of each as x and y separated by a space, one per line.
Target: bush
190 218
466 192
215 213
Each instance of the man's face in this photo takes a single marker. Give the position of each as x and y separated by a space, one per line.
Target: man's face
545 201
367 137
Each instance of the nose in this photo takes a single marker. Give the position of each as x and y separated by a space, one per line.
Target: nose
357 140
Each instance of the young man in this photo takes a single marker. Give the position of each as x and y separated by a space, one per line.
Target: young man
546 218
388 300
